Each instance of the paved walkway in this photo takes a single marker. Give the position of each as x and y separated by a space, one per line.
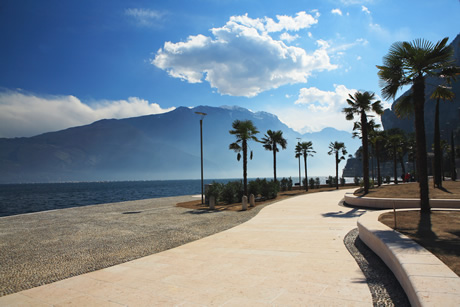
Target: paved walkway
291 254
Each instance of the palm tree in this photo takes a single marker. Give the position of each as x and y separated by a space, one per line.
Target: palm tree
408 63
304 149
376 139
359 104
393 146
244 132
444 93
271 141
338 149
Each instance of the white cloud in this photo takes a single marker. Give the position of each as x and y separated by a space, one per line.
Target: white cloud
365 9
316 109
337 12
144 17
288 37
27 115
242 59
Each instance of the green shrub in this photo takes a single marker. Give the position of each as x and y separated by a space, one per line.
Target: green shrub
342 181
317 182
290 184
269 189
284 184
312 183
332 181
214 189
254 187
232 192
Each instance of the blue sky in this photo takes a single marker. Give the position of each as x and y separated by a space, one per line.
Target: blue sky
68 63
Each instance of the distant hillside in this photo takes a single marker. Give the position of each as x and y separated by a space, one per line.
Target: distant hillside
162 146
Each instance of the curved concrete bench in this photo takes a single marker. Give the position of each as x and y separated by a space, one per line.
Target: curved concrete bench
398 203
426 280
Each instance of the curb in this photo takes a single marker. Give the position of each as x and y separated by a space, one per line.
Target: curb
426 280
398 203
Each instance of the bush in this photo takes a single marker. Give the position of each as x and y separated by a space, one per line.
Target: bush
312 183
284 184
290 184
254 187
215 189
232 192
317 182
331 181
269 189
342 181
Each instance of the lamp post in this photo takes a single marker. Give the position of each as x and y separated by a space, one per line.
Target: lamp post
201 143
300 178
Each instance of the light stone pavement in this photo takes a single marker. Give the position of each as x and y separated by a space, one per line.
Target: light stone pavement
291 254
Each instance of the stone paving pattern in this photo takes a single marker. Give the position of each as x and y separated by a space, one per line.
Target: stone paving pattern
290 254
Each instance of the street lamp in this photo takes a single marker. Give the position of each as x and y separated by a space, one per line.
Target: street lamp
300 178
201 143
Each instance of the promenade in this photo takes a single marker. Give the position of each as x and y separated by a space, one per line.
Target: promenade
290 254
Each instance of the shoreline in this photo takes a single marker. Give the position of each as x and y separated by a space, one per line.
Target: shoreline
42 247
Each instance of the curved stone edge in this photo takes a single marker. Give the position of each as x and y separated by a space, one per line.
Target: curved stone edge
398 203
426 280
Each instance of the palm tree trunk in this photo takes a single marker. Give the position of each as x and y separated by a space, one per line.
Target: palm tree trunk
422 171
401 162
395 163
365 142
274 163
452 157
337 170
305 163
437 149
377 153
245 168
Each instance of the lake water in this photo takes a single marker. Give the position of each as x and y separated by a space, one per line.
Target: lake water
27 198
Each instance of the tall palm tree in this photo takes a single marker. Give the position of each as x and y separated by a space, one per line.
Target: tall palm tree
271 141
408 63
304 149
376 138
244 132
338 149
441 93
359 104
394 141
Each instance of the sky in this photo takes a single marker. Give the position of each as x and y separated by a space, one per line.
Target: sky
70 63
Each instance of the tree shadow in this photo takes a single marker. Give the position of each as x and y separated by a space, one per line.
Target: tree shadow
444 190
199 212
425 227
353 213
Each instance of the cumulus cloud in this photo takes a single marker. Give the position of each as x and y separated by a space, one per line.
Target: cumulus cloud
288 37
242 59
144 17
316 109
337 12
365 9
27 115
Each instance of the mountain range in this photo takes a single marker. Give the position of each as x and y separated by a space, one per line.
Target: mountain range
160 147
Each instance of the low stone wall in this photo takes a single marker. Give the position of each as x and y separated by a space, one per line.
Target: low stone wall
398 203
426 280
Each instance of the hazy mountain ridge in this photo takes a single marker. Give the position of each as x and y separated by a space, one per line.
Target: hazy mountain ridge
161 146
